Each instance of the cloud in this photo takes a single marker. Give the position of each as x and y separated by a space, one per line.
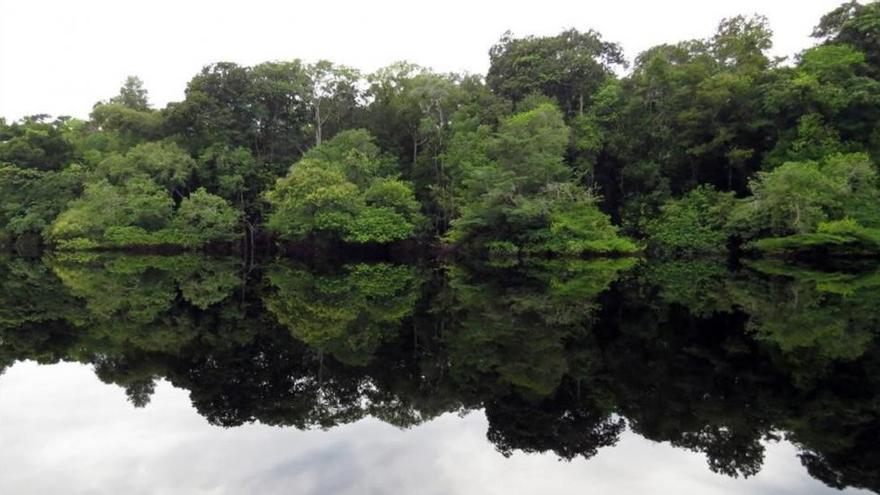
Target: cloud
63 431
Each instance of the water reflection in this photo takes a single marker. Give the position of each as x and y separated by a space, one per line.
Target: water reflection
561 357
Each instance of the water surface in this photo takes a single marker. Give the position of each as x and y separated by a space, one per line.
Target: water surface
188 374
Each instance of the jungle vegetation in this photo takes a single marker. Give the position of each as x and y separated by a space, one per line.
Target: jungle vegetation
563 148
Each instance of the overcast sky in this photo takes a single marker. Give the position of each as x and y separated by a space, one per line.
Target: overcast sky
61 56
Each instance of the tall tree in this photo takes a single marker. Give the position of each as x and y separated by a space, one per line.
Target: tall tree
569 67
132 94
334 97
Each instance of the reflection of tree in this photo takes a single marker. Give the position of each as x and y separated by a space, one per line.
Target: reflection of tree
522 339
702 285
561 355
35 313
837 424
512 328
781 358
139 288
97 308
696 383
29 293
347 314
814 319
565 424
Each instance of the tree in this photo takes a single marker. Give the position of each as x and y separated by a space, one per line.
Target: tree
107 214
825 104
690 113
138 212
334 96
278 98
133 126
797 197
569 67
35 143
855 24
693 224
161 161
217 108
342 190
522 199
33 198
203 217
132 95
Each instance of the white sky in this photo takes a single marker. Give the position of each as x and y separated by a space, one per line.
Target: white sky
61 56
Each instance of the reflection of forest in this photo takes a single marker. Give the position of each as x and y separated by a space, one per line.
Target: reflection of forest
561 355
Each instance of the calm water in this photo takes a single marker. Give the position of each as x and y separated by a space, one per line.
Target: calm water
187 374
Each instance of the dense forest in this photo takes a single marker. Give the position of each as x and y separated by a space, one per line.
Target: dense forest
563 148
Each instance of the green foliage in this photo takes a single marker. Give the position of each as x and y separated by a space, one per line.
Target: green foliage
340 190
812 139
130 125
347 314
829 206
140 213
165 163
536 158
260 108
31 199
356 153
840 237
522 195
202 218
35 143
568 67
690 113
530 146
381 225
132 94
138 203
854 23
577 226
695 224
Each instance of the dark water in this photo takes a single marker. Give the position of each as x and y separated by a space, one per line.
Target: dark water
187 374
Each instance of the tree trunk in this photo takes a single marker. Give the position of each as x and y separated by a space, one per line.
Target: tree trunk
415 147
318 125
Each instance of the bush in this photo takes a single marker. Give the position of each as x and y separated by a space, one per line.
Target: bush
341 190
842 237
693 224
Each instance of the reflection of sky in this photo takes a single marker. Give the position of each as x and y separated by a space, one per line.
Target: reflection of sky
63 431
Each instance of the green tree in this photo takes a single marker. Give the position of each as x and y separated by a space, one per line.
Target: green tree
163 162
569 67
35 143
33 198
106 211
523 198
203 217
132 94
334 96
856 24
342 190
694 224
